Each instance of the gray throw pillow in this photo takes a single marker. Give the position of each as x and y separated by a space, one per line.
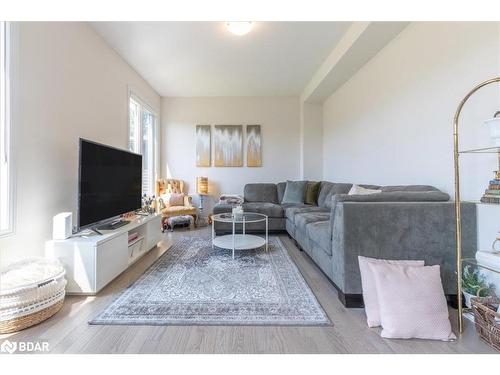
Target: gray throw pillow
295 192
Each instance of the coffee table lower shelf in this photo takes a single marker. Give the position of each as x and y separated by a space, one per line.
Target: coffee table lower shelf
241 242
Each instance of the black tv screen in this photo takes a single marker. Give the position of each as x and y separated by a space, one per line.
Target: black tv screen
110 182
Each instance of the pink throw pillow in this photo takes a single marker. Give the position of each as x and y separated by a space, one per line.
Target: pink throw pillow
370 297
176 199
412 302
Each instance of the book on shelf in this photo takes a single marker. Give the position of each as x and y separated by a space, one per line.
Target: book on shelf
132 237
494 182
495 192
493 187
490 199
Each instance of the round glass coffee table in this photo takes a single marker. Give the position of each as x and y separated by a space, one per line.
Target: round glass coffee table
239 241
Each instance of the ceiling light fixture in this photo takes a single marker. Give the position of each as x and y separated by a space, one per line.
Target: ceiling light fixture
239 28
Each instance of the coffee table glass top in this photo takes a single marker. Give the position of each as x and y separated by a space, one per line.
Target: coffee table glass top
246 217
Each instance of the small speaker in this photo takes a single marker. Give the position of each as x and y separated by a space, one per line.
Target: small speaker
62 226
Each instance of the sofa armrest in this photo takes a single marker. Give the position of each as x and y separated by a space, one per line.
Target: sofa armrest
161 204
398 230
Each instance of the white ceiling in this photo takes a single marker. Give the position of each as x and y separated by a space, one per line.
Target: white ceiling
204 59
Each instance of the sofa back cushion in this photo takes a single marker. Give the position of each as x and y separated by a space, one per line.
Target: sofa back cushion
261 193
324 190
280 187
295 192
312 191
328 190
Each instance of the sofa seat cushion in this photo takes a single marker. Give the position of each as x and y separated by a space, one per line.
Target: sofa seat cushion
320 233
222 208
291 211
302 219
269 209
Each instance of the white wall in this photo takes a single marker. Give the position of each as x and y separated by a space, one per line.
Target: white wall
71 85
280 126
311 130
391 123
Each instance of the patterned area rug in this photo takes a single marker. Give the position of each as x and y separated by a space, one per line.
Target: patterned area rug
193 284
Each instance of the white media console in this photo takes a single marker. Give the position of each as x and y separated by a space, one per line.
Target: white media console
93 261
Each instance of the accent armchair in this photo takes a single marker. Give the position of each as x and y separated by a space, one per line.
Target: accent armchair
165 188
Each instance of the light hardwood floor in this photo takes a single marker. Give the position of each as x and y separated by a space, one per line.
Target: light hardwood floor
68 331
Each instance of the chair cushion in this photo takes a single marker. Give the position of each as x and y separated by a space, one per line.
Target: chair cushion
176 199
292 210
302 219
295 192
269 209
178 210
320 232
261 193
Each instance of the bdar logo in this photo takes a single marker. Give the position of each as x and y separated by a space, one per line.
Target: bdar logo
8 347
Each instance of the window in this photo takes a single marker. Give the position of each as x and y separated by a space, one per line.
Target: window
6 193
143 133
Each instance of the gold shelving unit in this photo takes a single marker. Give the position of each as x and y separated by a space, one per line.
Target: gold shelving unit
457 153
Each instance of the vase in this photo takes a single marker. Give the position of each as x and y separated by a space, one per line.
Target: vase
467 297
494 125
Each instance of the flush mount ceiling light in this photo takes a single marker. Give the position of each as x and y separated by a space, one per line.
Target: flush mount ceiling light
239 28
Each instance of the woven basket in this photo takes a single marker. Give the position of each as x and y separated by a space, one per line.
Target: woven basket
23 304
17 324
485 312
37 292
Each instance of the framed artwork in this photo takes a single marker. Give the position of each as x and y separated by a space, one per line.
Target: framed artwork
228 146
254 146
203 146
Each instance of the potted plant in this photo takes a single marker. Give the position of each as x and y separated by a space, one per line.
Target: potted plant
473 285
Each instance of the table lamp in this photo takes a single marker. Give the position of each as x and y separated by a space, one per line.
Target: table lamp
202 185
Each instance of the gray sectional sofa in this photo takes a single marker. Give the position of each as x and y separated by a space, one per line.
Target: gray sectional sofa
401 222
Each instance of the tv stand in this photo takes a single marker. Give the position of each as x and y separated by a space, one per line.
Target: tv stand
96 231
113 225
91 262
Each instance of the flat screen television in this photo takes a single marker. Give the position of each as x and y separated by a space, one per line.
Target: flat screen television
109 183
